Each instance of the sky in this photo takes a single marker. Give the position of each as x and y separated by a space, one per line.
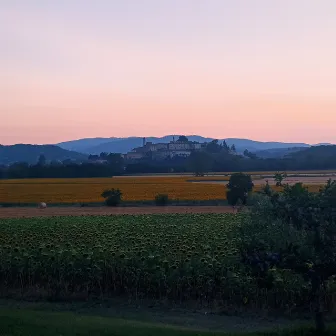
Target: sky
257 69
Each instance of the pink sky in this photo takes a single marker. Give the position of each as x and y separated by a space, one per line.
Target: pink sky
73 69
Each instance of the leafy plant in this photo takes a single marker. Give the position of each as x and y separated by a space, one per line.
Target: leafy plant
240 185
161 199
112 197
279 178
296 231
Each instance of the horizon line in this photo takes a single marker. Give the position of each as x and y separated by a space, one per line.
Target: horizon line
168 135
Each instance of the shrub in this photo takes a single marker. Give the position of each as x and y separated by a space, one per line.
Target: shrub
112 197
267 190
161 199
279 178
233 197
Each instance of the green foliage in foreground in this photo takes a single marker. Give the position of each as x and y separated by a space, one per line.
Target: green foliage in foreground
161 199
294 231
112 197
28 323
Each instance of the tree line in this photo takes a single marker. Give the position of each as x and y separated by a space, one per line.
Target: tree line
214 158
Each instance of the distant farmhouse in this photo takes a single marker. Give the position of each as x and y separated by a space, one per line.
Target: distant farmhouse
160 151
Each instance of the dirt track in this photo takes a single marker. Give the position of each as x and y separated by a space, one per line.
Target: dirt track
101 211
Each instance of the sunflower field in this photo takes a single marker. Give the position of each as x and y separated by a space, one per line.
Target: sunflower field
88 190
180 258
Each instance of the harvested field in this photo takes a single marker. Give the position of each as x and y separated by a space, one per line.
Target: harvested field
108 211
306 180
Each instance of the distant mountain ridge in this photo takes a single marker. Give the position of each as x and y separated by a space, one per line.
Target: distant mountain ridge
124 145
278 152
30 154
82 144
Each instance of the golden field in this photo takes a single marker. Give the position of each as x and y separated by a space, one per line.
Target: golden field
90 189
85 190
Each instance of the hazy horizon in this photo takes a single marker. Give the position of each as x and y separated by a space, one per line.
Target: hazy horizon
224 69
162 136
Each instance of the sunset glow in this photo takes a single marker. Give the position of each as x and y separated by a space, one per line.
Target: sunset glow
263 70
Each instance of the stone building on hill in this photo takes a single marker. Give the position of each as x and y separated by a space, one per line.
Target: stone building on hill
160 151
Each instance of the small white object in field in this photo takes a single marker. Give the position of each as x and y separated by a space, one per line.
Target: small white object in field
42 205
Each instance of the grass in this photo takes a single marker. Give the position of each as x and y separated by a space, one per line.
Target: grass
37 323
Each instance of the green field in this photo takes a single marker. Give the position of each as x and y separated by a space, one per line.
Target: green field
187 258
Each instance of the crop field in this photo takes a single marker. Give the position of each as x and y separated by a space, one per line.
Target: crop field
89 190
175 257
60 211
72 191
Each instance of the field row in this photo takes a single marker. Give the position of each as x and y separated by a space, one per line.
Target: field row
174 257
133 188
60 211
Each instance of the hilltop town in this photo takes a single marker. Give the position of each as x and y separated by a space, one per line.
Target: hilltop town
181 147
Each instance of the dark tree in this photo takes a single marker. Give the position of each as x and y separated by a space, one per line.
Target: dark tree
112 197
267 190
294 230
161 199
225 146
233 148
200 163
183 138
240 185
117 161
279 178
213 147
93 157
103 155
249 154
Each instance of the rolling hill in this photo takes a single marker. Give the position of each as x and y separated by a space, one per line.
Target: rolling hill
278 152
315 152
315 157
31 153
82 144
123 145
